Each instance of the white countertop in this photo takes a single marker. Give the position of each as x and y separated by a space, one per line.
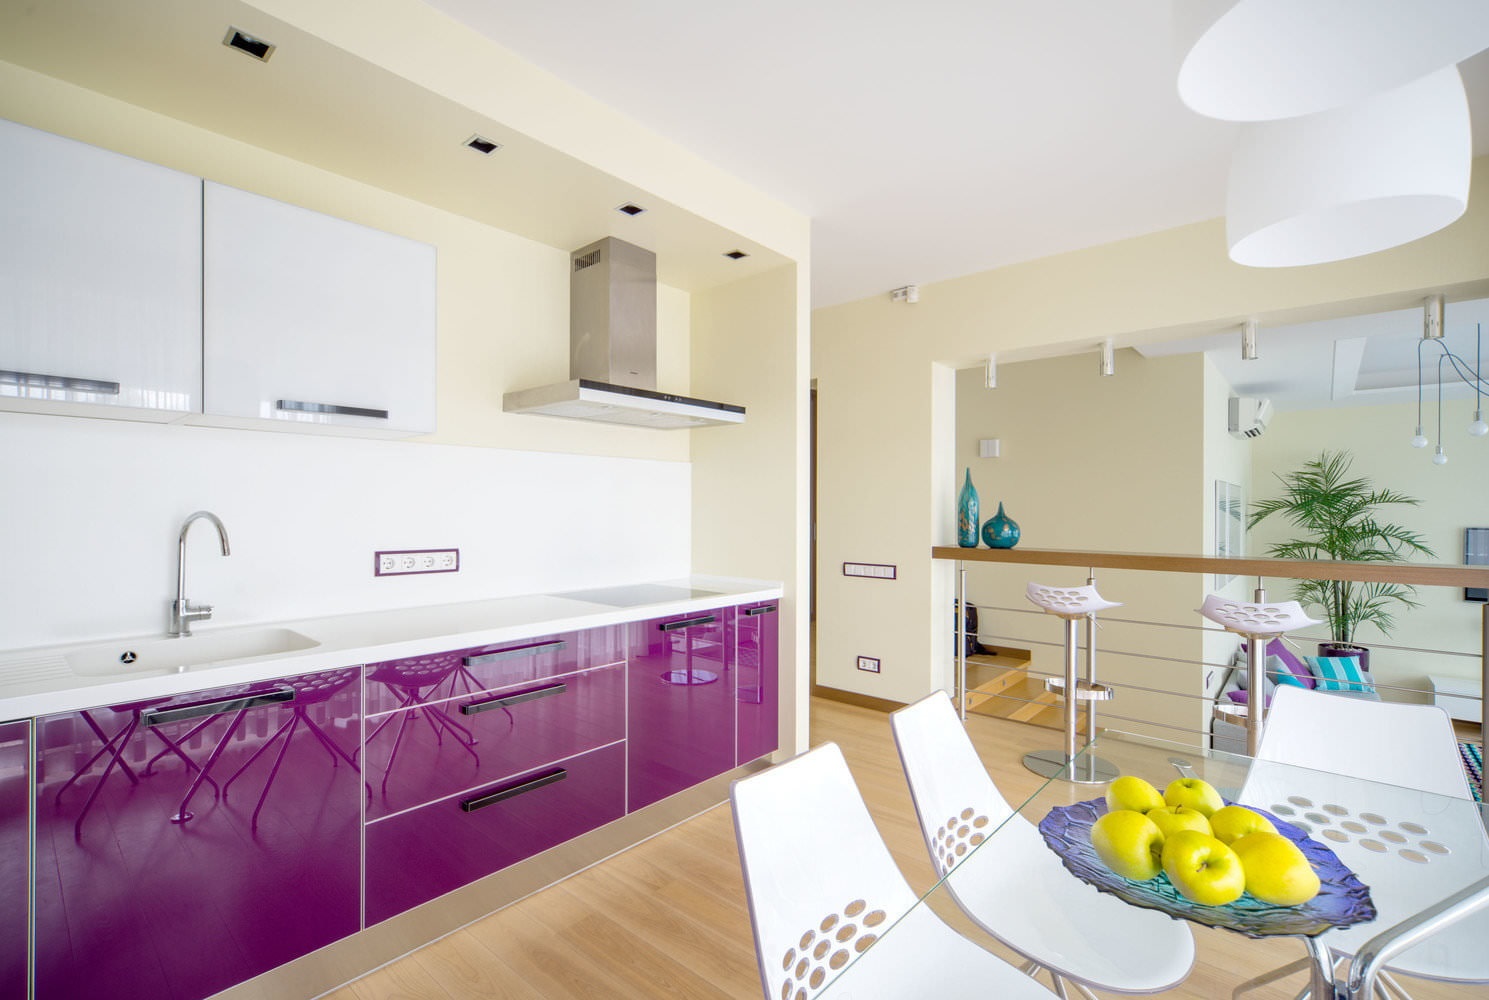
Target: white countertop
42 681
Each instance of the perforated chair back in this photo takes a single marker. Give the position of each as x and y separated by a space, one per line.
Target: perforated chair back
1412 746
814 868
955 800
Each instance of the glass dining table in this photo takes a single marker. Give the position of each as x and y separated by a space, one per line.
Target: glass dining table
1387 854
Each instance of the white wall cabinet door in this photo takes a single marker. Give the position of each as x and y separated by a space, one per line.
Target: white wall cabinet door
100 281
313 321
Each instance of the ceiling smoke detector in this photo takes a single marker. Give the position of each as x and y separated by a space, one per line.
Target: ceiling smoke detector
248 45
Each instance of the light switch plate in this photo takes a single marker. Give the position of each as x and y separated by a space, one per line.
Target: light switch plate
873 571
407 562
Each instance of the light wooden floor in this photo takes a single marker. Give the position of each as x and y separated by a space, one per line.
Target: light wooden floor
667 918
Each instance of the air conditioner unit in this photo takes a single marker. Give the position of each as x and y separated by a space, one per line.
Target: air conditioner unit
1249 416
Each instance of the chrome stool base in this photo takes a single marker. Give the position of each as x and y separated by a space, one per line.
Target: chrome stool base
1084 770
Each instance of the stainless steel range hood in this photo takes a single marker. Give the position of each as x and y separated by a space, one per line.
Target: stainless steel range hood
613 349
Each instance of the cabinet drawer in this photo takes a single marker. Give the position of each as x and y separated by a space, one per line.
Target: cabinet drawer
418 855
432 750
415 680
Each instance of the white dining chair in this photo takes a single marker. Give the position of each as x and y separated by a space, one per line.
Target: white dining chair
1414 850
1016 888
823 888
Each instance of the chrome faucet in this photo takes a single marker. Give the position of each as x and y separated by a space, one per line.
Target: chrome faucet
183 612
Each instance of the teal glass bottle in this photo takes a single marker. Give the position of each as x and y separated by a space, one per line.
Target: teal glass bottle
1001 531
967 514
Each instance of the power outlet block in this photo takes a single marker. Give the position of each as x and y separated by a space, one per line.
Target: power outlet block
408 562
869 663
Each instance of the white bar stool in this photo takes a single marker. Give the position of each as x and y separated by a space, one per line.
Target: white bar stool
1259 623
1074 604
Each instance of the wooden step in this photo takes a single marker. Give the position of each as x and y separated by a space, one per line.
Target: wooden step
1026 701
989 674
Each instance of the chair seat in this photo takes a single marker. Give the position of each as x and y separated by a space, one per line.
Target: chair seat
1260 620
1017 890
923 958
1068 602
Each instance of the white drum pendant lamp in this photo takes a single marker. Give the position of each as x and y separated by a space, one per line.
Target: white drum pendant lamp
1267 59
1353 180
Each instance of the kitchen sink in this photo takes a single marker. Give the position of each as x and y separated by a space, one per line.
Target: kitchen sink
192 652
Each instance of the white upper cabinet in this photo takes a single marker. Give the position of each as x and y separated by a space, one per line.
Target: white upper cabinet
100 281
314 322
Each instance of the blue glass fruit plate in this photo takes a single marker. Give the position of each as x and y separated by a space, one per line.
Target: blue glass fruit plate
1342 900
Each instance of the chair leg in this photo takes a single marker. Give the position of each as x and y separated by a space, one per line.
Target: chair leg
1390 988
1300 965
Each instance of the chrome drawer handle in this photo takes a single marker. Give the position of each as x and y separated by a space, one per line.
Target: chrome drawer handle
760 611
71 383
531 694
162 716
514 652
687 623
503 792
300 406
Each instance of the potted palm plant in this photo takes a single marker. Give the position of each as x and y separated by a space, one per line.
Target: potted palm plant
1337 516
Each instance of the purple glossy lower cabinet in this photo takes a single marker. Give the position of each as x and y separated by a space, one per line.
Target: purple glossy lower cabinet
414 856
15 855
757 689
680 680
189 843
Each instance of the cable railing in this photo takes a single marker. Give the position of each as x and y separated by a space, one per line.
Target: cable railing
1208 701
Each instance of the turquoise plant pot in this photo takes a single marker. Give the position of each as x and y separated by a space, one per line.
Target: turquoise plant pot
1001 531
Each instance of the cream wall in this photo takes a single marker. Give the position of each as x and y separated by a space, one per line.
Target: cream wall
1098 463
1452 498
874 360
747 517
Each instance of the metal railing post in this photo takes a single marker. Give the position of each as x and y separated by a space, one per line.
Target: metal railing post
961 641
1256 703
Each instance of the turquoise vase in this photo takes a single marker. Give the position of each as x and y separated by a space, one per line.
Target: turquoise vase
967 514
1001 531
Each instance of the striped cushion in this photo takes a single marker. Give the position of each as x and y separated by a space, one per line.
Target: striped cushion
1339 673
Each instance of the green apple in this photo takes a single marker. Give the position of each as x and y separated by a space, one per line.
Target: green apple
1203 869
1196 793
1172 819
1132 792
1277 872
1231 823
1129 843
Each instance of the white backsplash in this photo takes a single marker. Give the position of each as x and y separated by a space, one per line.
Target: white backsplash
90 511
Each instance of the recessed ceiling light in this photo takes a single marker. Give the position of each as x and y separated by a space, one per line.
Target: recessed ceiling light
248 45
736 255
629 209
483 145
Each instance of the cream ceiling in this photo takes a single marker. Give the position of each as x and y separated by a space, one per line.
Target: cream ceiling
925 140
